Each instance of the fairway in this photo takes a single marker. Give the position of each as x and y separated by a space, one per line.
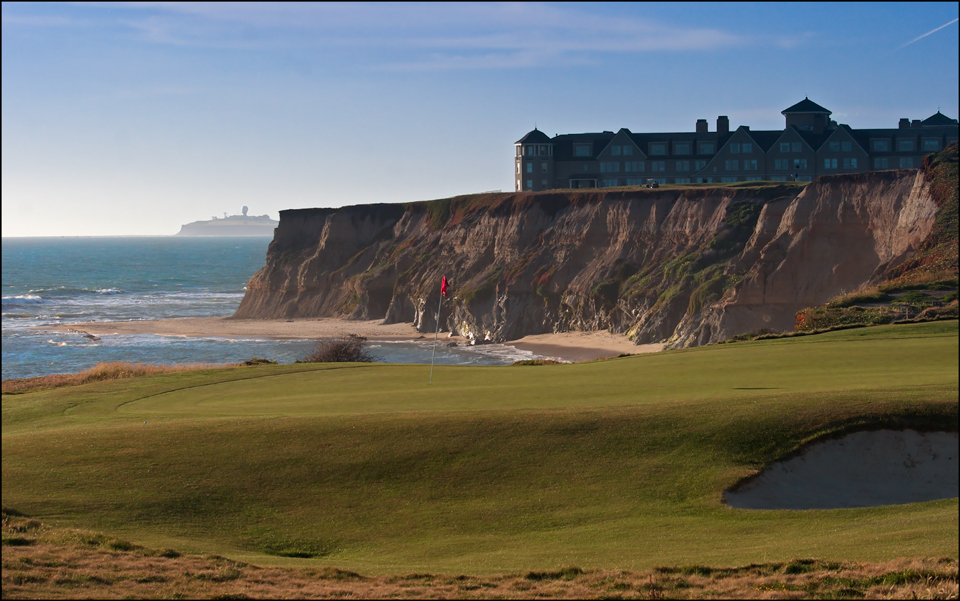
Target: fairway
616 464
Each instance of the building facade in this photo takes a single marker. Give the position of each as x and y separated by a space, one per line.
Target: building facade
810 145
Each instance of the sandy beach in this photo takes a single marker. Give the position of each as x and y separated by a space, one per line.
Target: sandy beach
568 346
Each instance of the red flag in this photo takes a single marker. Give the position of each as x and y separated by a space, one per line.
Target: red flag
443 286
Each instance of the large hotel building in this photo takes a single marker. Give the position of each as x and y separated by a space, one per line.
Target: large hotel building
810 145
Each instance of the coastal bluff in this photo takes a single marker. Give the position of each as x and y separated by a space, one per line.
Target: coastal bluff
686 265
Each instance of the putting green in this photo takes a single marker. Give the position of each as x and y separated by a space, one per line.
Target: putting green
810 365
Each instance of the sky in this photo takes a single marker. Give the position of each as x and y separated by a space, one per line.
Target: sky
135 118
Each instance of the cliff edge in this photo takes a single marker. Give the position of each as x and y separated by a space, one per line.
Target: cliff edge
687 265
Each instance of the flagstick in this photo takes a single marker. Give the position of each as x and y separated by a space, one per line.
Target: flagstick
435 336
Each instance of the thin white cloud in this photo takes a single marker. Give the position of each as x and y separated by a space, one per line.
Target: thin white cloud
426 36
928 33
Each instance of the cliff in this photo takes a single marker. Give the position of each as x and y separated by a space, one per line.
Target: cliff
687 265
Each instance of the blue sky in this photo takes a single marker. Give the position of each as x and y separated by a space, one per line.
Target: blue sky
132 119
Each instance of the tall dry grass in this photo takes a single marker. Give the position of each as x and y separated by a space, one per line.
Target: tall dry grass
114 370
40 561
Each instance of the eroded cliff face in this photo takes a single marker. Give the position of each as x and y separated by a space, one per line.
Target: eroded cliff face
687 266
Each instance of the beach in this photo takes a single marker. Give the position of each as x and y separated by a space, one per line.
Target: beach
567 346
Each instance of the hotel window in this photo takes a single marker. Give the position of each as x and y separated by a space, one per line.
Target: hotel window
698 165
609 183
529 167
750 164
846 146
834 146
880 145
734 148
747 148
529 184
781 164
849 163
905 145
682 180
799 163
881 163
731 165
727 180
683 165
931 144
519 151
581 150
752 179
704 180
906 162
658 165
543 184
518 167
681 148
628 150
829 163
637 181
784 146
796 147
705 148
615 151
778 178
658 148
610 167
543 151
543 167
633 166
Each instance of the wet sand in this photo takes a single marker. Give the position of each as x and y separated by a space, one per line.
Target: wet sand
568 346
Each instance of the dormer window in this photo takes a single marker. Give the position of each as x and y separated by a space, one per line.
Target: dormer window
658 148
581 150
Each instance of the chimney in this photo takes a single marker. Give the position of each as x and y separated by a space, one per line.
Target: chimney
917 123
723 125
701 126
904 123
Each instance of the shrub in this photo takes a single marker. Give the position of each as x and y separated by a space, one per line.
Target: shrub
344 349
258 361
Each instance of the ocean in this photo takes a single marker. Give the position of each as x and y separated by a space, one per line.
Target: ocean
50 281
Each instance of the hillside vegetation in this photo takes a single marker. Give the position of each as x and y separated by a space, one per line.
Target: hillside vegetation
923 285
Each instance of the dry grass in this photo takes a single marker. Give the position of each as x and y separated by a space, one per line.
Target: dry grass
44 562
99 372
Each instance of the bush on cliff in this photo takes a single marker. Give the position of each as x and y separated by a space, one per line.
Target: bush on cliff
344 349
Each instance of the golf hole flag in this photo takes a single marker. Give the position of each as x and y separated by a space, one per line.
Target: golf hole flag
443 293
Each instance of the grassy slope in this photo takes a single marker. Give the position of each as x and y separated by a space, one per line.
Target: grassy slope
617 464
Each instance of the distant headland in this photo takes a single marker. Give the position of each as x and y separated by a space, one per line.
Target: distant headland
234 225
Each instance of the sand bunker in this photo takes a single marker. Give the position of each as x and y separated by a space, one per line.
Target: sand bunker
863 469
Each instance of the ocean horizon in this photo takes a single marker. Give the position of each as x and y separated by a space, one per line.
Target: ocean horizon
63 280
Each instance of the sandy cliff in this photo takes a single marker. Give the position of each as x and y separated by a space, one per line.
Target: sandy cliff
688 265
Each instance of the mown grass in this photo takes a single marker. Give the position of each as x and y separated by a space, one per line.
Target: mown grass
614 465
